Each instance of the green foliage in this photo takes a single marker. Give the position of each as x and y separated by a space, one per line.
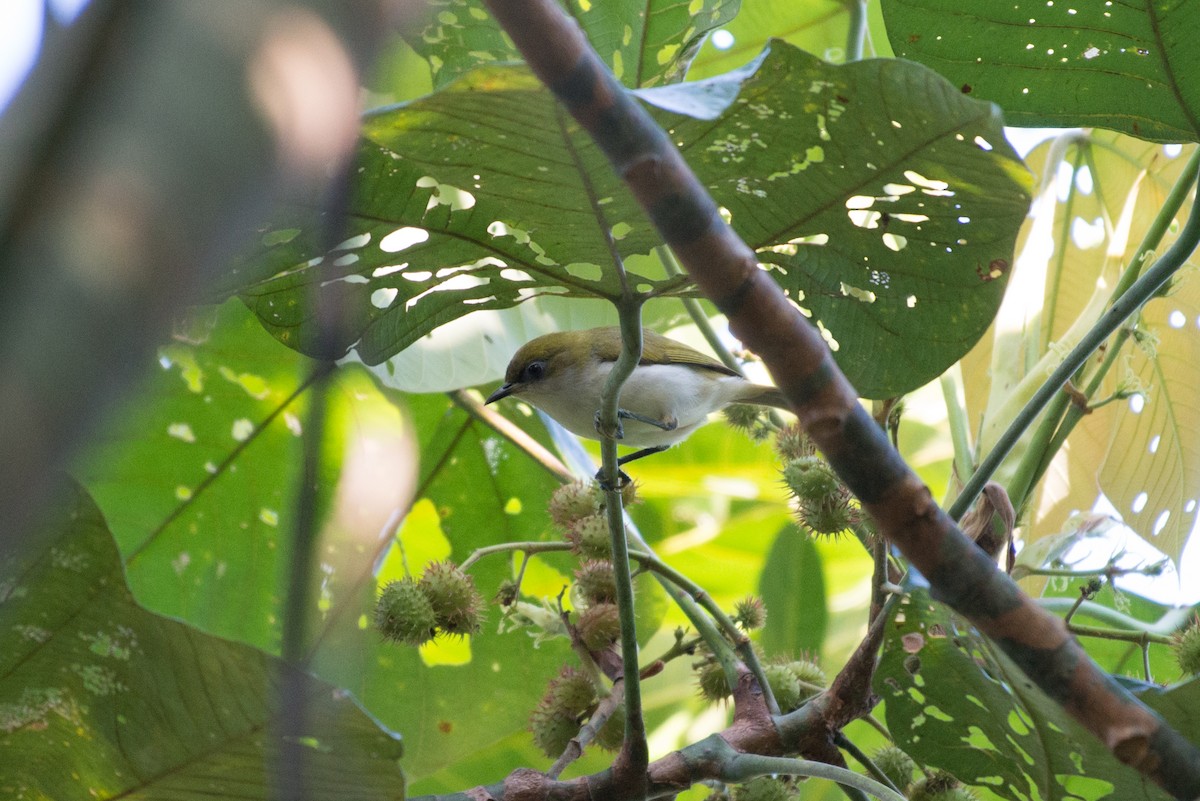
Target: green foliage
883 199
1124 66
881 227
954 701
100 698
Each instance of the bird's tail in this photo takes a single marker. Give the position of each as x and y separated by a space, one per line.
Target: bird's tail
766 396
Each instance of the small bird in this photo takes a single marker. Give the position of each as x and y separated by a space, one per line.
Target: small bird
670 394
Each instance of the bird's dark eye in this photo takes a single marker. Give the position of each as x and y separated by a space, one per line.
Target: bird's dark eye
533 371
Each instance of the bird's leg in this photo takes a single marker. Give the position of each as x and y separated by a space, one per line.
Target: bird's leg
629 457
622 476
669 424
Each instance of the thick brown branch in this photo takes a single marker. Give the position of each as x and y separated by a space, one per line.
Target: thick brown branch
726 270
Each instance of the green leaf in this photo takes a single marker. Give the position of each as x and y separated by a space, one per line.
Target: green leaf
1128 66
792 586
810 26
102 699
197 476
215 554
881 199
644 42
894 230
954 701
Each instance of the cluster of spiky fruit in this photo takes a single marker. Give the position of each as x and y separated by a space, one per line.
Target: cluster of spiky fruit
443 601
793 681
823 504
569 701
578 509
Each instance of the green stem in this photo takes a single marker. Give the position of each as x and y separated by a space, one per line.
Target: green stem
696 312
635 726
1140 637
857 34
743 767
1169 623
1139 291
508 547
696 595
956 415
847 745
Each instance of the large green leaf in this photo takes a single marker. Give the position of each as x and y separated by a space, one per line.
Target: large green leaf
644 42
102 699
1130 66
883 201
792 586
199 477
879 197
954 701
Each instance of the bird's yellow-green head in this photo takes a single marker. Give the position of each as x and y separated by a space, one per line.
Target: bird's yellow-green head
543 358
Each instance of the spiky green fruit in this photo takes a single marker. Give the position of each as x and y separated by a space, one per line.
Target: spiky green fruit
589 537
573 502
810 479
404 614
940 786
612 733
1187 649
711 680
807 672
457 605
552 732
599 626
750 613
571 692
784 686
896 765
764 788
792 443
556 719
596 582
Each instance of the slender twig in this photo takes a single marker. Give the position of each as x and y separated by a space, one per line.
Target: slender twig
294 645
744 767
1141 638
470 404
848 745
509 547
634 750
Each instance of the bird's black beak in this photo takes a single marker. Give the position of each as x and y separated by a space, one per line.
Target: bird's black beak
503 392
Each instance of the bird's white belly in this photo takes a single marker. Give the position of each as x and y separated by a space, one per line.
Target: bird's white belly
660 392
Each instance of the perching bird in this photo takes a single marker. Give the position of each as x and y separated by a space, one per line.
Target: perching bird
670 394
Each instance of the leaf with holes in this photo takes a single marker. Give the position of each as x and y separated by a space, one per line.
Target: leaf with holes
954 701
1128 66
1099 197
883 201
102 699
644 42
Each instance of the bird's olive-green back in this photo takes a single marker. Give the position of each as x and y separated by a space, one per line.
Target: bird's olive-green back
656 349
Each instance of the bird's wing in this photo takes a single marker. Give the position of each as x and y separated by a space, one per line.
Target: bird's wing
606 343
